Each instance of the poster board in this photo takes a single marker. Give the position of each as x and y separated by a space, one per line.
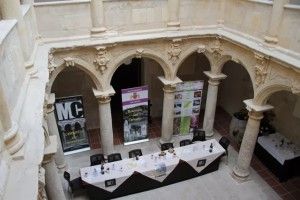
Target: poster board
187 106
135 114
71 124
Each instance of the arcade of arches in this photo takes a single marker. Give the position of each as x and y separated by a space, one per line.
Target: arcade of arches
246 52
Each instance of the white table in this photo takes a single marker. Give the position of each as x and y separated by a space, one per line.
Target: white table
147 164
272 144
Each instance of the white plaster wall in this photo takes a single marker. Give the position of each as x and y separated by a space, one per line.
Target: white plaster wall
235 88
199 12
285 122
250 17
12 69
63 20
289 32
134 15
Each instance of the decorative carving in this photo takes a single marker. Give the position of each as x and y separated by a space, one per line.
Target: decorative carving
102 58
170 88
295 86
139 53
216 49
104 99
201 49
261 68
69 62
174 51
51 63
41 185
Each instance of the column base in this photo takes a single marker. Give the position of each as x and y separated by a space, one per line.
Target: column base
209 134
162 141
240 175
62 167
98 32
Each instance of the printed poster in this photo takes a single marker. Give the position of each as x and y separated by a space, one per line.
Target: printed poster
135 114
71 123
187 106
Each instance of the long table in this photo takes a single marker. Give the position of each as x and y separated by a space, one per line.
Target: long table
279 154
151 171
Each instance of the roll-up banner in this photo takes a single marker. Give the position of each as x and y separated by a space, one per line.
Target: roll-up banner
135 114
187 106
71 124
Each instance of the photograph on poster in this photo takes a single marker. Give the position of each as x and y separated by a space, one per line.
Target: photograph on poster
178 96
201 162
196 102
197 94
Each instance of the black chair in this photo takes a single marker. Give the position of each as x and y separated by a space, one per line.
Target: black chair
198 135
166 146
185 142
75 185
114 157
224 142
97 159
135 152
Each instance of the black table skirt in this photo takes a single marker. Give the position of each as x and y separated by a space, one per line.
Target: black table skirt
137 182
289 168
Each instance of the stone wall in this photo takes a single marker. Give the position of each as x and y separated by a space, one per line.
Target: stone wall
250 17
63 19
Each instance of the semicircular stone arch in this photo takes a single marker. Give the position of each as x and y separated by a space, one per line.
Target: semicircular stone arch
245 58
193 49
79 63
144 53
264 93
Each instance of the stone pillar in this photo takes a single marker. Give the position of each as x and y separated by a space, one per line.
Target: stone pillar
106 130
97 15
211 102
241 170
12 10
168 114
276 18
12 137
173 12
53 187
53 130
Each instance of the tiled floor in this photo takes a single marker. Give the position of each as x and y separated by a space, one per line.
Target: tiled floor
289 190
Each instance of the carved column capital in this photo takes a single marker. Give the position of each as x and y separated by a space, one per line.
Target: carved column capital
169 88
104 99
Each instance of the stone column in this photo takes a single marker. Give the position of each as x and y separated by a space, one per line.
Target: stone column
106 130
173 12
241 170
12 137
276 18
12 10
53 187
211 102
97 15
168 114
53 130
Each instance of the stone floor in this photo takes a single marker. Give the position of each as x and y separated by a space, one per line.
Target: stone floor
205 187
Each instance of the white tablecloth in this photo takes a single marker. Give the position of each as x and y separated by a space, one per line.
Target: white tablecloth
272 144
147 164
